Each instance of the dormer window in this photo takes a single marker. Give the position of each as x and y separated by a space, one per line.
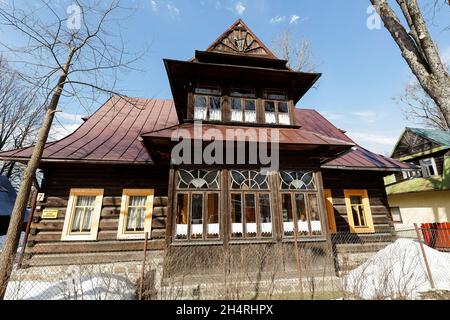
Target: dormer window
276 108
243 105
207 103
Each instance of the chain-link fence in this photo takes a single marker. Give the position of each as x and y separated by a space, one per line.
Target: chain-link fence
349 266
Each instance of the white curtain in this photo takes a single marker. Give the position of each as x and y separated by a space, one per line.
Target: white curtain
251 228
83 213
196 229
215 115
213 228
284 118
266 227
199 113
271 117
236 115
316 226
250 116
303 226
288 226
136 213
237 228
182 230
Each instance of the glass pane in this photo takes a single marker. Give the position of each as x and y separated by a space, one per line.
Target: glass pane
136 213
197 217
76 224
87 219
283 107
209 90
274 94
288 219
269 106
265 215
236 104
356 200
302 218
200 102
314 214
215 111
182 216
250 105
236 216
250 216
243 93
212 220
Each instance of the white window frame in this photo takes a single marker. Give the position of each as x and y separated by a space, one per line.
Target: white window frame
122 233
67 235
425 168
399 215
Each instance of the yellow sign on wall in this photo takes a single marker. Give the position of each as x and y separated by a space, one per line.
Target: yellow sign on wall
50 214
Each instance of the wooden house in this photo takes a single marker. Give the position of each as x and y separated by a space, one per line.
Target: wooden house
114 178
422 195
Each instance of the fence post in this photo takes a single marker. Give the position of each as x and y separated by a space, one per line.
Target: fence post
297 258
141 285
419 237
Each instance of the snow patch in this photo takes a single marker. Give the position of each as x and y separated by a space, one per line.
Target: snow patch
398 271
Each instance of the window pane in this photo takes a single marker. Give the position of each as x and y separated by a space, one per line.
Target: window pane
265 215
236 110
236 216
396 214
200 108
236 104
182 216
136 213
314 214
274 94
213 225
269 106
283 107
215 109
78 215
209 90
302 218
84 209
197 216
250 105
243 93
358 211
250 216
288 219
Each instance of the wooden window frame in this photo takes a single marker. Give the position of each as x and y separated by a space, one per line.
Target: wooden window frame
208 107
328 195
306 194
67 235
367 211
425 167
256 194
276 103
122 234
243 99
205 194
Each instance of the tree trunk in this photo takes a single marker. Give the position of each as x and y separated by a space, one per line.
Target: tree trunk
15 226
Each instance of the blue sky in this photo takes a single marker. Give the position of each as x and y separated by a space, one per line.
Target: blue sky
362 68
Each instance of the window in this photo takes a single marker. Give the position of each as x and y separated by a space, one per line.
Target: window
428 167
358 211
330 211
396 215
135 213
82 215
207 103
251 213
197 205
300 206
276 107
243 105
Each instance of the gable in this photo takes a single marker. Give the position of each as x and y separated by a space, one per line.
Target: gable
411 143
239 39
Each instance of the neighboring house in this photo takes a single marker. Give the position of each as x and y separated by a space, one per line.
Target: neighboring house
7 199
423 195
114 179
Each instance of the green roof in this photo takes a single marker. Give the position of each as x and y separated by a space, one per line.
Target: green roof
439 136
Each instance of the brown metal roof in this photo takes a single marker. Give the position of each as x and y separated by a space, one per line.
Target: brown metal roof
112 133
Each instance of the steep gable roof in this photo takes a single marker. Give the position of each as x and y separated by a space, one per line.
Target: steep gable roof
239 39
439 136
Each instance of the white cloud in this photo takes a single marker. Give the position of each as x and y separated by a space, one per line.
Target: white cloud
277 19
294 19
59 132
218 5
376 138
154 5
332 116
69 117
173 10
239 8
368 117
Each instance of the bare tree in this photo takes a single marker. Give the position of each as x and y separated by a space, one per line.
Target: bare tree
72 52
20 116
296 51
419 51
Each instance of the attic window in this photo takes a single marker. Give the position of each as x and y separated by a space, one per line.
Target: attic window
243 105
207 103
429 168
276 107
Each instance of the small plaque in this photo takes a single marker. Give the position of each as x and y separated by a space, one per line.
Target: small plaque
50 214
40 197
